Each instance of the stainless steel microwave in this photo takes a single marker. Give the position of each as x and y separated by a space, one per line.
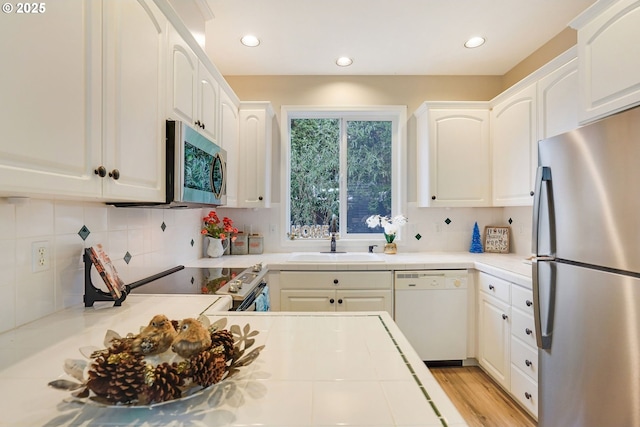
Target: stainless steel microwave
196 170
196 167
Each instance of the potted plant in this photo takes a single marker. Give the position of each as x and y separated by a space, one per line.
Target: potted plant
218 234
390 227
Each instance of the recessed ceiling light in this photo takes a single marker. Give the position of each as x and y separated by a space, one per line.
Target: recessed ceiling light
250 41
474 42
344 61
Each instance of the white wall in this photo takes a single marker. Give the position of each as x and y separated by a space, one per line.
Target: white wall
26 296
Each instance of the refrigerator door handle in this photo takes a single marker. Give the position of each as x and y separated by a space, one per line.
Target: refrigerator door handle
543 301
543 175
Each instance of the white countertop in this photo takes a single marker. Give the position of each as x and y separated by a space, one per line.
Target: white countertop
316 369
514 268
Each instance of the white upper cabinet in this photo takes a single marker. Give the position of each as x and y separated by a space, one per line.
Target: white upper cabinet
194 95
229 123
514 144
609 58
134 88
51 92
453 161
208 96
254 169
86 85
558 101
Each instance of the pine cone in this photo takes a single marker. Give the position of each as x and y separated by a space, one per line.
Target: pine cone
225 338
207 367
119 377
164 383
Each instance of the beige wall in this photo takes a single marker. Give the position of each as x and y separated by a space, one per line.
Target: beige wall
364 90
554 47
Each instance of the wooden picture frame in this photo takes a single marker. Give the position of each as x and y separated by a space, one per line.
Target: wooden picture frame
496 239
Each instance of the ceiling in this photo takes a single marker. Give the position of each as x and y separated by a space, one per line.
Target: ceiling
384 37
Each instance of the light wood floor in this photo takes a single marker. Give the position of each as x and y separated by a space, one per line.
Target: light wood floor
480 401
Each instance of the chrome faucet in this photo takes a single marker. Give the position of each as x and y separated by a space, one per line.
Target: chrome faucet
333 229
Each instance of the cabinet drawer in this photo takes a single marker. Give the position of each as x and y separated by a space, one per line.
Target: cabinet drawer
522 299
525 358
493 286
336 280
525 390
522 326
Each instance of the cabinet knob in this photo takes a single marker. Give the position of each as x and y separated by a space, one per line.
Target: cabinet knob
433 197
529 303
531 193
505 317
115 174
340 301
335 281
527 395
101 171
332 300
197 123
491 287
527 362
260 198
528 331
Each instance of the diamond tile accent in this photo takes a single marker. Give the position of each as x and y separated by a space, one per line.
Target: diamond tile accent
418 236
510 221
447 221
127 257
84 232
163 226
192 243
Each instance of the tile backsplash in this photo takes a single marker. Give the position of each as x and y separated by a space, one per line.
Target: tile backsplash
155 239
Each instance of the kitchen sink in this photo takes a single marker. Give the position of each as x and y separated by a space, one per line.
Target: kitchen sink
334 257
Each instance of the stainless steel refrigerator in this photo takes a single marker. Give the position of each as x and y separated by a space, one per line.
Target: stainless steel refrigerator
586 274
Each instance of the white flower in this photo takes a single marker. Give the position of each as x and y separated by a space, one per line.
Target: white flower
390 225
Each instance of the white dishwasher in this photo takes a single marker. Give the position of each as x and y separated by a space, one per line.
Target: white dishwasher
431 311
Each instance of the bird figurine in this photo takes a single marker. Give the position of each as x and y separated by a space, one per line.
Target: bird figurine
156 337
193 337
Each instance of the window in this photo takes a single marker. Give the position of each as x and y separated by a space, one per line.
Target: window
344 163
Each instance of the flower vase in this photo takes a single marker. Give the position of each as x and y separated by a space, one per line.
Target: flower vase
216 247
390 248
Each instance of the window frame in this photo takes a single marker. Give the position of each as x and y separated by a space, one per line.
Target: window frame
397 114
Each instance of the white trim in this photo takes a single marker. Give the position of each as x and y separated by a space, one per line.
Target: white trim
398 116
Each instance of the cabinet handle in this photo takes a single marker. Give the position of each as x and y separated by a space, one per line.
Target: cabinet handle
332 300
527 395
433 197
340 301
101 171
529 303
197 123
115 174
335 281
527 362
491 287
203 126
505 317
528 331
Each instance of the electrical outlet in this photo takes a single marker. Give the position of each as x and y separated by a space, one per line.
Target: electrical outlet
40 260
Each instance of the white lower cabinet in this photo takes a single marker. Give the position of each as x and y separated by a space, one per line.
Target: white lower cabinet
494 337
336 291
506 338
